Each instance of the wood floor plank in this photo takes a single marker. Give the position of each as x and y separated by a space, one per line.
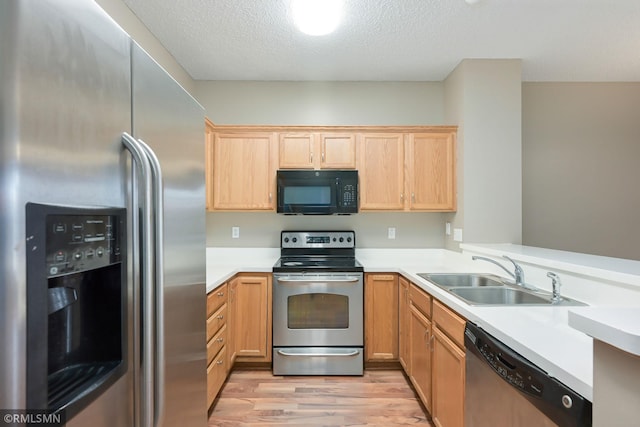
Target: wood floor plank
258 398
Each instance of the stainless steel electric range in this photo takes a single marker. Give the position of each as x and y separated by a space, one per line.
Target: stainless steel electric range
318 305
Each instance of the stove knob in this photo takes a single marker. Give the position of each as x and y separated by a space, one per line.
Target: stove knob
334 239
341 239
286 240
349 239
295 239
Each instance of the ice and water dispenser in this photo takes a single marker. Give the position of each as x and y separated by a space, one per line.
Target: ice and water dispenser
76 304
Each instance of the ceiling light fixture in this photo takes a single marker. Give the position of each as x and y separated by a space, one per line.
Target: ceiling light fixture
316 17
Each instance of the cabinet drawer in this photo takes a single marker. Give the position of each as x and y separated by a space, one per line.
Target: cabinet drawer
216 343
216 298
216 374
421 300
449 323
216 320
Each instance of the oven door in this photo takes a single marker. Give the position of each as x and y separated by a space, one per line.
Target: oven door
317 310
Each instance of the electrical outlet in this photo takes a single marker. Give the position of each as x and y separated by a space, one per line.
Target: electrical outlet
457 234
447 228
391 233
235 232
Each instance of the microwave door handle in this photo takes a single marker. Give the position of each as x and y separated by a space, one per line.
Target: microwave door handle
338 193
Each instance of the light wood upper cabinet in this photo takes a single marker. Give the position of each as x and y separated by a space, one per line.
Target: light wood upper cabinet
338 151
243 172
381 171
296 150
410 168
431 171
381 317
303 150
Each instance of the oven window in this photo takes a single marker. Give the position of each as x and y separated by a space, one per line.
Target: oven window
318 311
307 195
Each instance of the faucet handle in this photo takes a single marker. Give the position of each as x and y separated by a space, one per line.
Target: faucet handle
518 271
555 283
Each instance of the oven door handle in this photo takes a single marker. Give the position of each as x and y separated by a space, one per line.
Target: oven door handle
319 279
349 354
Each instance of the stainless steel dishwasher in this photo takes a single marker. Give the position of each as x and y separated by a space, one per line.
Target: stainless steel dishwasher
505 389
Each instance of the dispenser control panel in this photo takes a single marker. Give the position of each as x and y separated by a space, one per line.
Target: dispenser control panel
82 242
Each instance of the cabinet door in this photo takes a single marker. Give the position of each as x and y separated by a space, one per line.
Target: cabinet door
431 171
403 324
338 151
209 133
448 382
243 177
296 150
252 320
231 322
420 356
381 170
381 317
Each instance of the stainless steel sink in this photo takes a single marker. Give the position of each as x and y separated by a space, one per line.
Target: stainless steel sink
489 289
470 280
498 296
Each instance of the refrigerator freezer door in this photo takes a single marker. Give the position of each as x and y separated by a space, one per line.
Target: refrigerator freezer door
171 122
65 94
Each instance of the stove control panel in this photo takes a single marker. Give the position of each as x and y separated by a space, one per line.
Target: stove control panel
318 239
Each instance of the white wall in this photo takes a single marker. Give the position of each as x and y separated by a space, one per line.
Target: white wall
413 230
484 98
581 152
324 103
321 103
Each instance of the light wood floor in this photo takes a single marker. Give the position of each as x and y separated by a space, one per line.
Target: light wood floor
379 398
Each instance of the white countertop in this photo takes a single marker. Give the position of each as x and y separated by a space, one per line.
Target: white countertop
616 326
541 334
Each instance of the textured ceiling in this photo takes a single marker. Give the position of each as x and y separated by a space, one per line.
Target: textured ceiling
399 40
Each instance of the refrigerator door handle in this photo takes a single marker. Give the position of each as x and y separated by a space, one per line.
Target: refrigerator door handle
141 163
158 209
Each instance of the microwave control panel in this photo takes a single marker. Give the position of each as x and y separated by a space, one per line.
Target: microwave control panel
349 195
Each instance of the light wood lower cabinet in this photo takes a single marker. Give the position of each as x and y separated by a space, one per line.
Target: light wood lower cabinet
435 358
381 317
403 324
238 326
448 366
217 332
252 317
448 381
420 355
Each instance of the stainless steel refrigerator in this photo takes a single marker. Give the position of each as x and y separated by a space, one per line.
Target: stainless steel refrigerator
101 170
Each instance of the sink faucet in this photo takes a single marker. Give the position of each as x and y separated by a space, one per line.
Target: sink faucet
518 273
555 283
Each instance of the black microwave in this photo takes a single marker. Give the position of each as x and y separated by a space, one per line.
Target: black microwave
317 192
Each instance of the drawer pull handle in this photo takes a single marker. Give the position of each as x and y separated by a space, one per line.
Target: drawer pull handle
219 362
220 294
221 317
220 339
